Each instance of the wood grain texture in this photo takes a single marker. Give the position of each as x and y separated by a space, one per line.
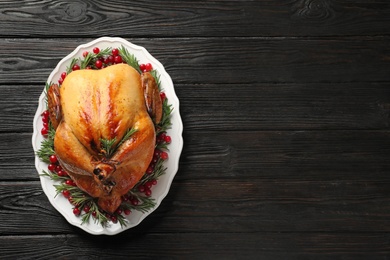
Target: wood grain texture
236 107
175 246
194 18
286 112
226 206
267 245
295 155
222 60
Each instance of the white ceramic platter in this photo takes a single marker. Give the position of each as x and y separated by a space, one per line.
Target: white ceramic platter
161 189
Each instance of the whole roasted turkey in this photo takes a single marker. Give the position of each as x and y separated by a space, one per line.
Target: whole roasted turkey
93 106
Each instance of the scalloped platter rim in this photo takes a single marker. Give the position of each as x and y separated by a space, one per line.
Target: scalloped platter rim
160 191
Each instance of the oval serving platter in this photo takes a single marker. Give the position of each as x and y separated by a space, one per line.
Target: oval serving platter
160 190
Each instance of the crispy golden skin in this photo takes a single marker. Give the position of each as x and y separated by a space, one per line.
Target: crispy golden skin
104 104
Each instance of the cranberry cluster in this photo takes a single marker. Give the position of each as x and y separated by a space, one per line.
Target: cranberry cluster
45 121
55 167
105 61
63 76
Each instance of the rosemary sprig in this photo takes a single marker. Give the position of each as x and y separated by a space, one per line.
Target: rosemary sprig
104 52
146 203
162 146
159 170
46 90
47 86
92 57
53 176
130 59
77 194
87 60
82 200
156 77
165 122
72 63
127 135
47 146
100 217
108 145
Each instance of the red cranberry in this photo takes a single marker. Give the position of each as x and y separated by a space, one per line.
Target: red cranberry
53 158
110 59
70 182
168 139
148 185
134 202
45 113
86 209
51 167
161 138
164 155
115 52
141 188
157 153
150 170
76 211
44 131
114 219
163 96
148 67
62 173
125 197
99 64
58 168
66 193
148 192
96 50
118 59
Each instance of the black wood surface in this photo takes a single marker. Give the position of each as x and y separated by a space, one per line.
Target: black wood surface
286 113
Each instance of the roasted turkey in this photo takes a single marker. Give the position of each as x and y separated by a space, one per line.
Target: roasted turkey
94 106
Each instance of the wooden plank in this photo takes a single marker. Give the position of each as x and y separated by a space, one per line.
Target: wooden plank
295 155
205 60
18 107
194 18
224 205
309 155
17 157
200 246
286 114
237 107
261 106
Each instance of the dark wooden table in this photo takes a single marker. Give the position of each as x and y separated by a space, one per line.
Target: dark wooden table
286 112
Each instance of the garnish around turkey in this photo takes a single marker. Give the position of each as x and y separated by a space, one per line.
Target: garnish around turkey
105 135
